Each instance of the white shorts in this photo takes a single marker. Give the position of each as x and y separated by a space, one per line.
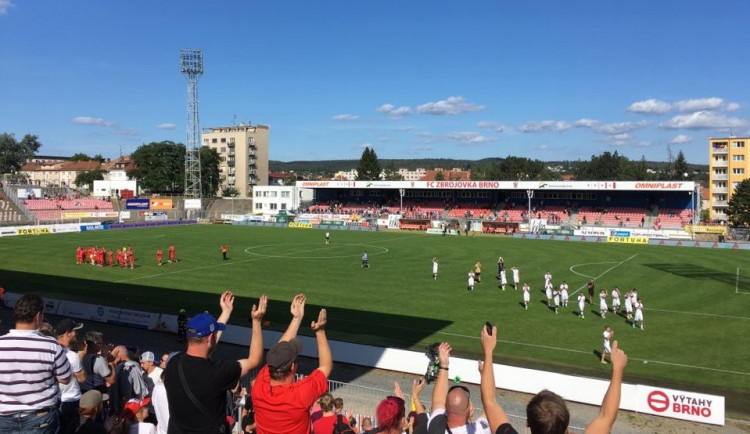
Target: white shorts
526 296
581 305
549 294
602 305
607 347
638 315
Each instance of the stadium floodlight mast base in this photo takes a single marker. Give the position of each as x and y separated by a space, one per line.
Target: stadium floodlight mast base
191 66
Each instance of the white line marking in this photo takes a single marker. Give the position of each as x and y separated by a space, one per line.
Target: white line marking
570 350
699 313
605 271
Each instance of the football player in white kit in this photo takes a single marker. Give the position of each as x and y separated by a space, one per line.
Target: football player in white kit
548 292
556 298
470 288
581 304
603 302
547 278
634 297
616 300
608 334
503 279
526 295
564 294
628 306
638 318
516 277
434 268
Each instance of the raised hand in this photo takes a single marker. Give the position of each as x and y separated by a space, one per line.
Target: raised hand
226 301
256 314
321 322
489 341
444 353
298 306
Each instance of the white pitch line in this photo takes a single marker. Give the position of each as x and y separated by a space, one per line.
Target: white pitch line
605 271
570 350
699 313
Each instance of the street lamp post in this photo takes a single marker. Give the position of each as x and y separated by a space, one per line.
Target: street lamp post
529 194
401 193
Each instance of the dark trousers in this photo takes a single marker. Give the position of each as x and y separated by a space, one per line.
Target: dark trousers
68 412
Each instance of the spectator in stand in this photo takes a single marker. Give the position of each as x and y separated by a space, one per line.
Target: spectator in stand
99 371
90 408
33 366
367 426
135 414
451 408
128 382
546 412
153 372
159 400
196 385
281 404
327 420
65 332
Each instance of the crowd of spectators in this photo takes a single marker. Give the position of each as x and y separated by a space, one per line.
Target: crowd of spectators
49 383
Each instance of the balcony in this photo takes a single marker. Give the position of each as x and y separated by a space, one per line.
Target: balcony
251 152
722 177
230 163
719 190
720 203
231 152
252 172
724 150
231 144
720 163
252 161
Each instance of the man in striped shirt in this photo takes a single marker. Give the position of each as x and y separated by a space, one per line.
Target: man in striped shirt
31 366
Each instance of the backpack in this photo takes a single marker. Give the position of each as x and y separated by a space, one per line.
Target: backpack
341 427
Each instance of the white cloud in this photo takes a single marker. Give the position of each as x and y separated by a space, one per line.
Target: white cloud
541 126
385 108
97 122
5 5
732 106
393 111
699 104
166 126
345 117
703 120
467 137
494 126
452 106
620 127
650 107
126 132
585 123
682 138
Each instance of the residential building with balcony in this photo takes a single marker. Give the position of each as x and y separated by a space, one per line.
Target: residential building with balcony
729 164
243 150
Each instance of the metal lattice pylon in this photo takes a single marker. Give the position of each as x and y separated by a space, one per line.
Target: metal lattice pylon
191 66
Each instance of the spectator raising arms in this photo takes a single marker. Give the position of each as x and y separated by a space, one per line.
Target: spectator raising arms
281 404
196 385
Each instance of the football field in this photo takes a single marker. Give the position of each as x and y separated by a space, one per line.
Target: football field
697 308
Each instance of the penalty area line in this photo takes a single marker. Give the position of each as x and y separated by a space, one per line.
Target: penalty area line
699 313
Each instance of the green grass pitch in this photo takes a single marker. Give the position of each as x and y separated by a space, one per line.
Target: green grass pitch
696 321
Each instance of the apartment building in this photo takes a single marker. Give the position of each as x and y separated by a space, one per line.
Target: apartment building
729 164
243 150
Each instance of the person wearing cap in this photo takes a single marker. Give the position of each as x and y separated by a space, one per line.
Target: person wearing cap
99 371
281 404
196 385
90 407
152 371
33 365
65 332
135 413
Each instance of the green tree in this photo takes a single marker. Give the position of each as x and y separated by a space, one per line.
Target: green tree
605 167
290 179
739 205
87 178
369 168
439 176
209 171
680 167
14 154
160 167
80 156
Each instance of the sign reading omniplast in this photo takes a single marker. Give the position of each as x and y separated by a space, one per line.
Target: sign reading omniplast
678 404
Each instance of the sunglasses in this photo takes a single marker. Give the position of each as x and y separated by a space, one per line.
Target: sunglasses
458 386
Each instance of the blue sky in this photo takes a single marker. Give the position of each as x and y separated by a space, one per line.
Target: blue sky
413 79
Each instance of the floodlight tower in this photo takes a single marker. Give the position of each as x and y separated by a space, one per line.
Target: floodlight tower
191 66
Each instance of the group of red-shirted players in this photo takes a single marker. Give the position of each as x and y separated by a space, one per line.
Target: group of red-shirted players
101 257
172 255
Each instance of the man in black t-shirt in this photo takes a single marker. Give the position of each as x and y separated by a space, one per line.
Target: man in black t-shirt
196 385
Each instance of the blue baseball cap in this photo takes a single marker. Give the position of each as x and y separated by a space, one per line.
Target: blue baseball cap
202 325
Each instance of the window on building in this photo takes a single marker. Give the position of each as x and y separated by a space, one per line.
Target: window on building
283 206
738 158
273 206
738 171
285 194
738 144
223 140
223 149
258 205
257 194
213 140
273 193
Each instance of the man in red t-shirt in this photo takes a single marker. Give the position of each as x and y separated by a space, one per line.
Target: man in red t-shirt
172 254
158 257
281 404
